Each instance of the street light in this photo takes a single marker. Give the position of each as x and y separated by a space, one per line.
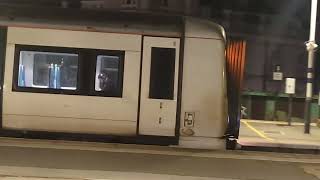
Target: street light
311 48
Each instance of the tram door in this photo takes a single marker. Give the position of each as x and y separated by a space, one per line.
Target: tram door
159 86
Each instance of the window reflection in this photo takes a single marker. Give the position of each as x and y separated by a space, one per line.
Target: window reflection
48 70
107 74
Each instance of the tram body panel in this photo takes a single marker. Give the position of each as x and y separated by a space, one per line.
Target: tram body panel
72 113
74 39
203 87
198 28
203 107
70 125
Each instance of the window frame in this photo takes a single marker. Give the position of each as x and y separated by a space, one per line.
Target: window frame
87 62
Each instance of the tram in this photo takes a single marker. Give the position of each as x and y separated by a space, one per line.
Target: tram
128 77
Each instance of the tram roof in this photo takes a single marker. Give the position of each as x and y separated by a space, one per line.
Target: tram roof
133 22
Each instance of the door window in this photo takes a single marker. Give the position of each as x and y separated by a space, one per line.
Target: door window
162 73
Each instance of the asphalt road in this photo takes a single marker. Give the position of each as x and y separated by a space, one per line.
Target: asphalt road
17 162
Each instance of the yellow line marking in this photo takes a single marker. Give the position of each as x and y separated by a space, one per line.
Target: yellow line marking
275 122
261 134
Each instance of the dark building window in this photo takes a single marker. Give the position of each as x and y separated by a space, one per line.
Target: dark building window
164 3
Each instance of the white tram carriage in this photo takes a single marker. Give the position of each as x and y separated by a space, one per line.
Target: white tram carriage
139 79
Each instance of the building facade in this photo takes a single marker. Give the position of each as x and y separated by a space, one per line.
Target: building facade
275 34
189 7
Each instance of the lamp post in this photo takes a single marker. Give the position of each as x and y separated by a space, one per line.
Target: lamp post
311 48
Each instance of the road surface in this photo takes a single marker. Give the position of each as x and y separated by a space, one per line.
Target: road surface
30 159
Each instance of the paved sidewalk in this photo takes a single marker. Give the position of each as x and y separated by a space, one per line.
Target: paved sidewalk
60 160
278 134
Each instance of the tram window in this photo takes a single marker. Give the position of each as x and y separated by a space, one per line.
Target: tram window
72 71
162 73
48 70
108 80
